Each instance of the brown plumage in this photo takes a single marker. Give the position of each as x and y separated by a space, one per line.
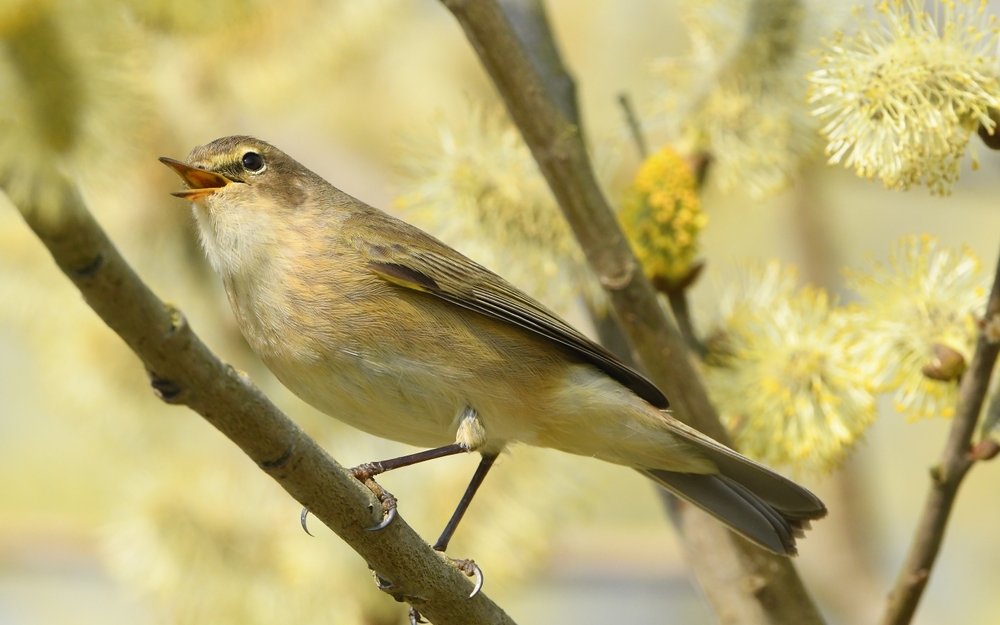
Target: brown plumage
384 327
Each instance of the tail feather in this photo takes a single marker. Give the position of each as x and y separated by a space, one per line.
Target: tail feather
752 508
792 500
754 501
742 512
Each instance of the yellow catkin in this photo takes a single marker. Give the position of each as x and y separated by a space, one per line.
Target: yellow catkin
662 216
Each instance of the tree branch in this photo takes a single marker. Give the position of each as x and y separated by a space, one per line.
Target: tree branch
676 294
744 583
956 460
531 24
184 371
557 145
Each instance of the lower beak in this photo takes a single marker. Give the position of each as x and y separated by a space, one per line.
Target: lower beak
202 182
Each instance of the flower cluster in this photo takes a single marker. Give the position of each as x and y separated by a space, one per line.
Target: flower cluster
795 378
58 62
744 90
923 302
785 373
662 217
900 98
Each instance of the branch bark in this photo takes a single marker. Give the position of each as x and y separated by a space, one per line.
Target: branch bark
184 371
557 145
947 476
743 583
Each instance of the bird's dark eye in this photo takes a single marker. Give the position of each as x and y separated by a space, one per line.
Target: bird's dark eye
253 162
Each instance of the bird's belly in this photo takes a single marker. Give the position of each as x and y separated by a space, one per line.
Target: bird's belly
392 398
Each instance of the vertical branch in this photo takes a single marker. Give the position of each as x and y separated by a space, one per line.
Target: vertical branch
744 583
947 476
852 571
557 146
531 23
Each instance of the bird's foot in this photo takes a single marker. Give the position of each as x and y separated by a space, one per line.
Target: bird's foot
415 617
388 501
468 567
304 520
366 471
363 473
471 569
387 586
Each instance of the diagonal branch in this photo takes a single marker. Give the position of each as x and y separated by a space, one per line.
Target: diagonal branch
184 371
744 583
557 145
947 476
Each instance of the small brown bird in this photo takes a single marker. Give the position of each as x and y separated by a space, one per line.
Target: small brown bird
382 326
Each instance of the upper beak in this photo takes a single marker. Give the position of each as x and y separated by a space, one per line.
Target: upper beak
202 182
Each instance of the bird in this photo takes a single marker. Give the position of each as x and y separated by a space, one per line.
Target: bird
384 327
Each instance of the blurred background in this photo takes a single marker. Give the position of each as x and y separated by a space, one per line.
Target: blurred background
115 508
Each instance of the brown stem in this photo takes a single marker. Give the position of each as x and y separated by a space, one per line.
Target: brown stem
956 460
685 323
184 371
634 127
558 148
743 583
531 23
676 293
812 234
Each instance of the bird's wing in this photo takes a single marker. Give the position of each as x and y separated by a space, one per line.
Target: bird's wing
437 269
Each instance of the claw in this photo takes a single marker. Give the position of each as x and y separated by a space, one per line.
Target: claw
415 616
304 520
388 505
471 569
382 583
389 517
480 580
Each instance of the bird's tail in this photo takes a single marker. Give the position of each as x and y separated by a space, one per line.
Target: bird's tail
752 500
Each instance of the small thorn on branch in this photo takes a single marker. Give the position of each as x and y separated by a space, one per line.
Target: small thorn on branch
986 449
167 390
89 268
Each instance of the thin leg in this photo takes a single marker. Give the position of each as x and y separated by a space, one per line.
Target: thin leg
365 473
463 504
368 470
469 567
469 437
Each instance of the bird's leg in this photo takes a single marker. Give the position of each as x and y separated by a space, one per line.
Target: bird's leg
469 437
463 504
469 567
368 470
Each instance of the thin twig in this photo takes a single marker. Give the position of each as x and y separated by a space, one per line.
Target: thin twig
184 371
956 460
676 293
634 127
678 300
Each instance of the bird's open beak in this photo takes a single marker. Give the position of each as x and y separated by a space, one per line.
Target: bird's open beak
202 182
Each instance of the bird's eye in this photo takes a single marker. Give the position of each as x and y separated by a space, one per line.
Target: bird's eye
253 162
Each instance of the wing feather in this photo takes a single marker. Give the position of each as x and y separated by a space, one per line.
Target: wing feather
439 270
